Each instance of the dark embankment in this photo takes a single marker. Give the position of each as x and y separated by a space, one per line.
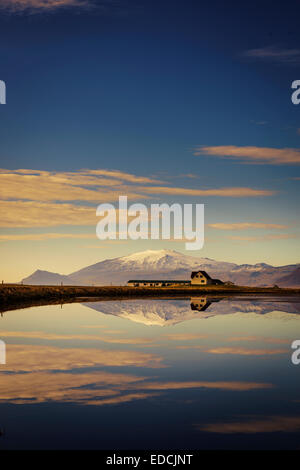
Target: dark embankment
14 296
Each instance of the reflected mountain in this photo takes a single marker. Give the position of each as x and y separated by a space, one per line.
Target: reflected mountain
165 312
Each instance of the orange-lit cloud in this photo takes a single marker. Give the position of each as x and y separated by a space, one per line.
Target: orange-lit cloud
259 339
255 425
36 198
264 155
37 374
123 176
45 186
247 225
35 6
245 351
39 214
282 236
43 214
121 399
237 386
45 236
96 388
223 192
23 358
94 186
184 336
54 337
40 387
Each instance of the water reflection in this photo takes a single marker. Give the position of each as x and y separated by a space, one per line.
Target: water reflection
217 375
172 311
200 303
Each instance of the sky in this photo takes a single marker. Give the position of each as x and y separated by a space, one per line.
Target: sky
163 101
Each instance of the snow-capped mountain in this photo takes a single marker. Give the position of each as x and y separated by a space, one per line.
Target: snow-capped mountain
165 264
162 264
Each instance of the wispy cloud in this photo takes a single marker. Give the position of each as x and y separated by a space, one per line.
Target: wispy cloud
83 185
275 54
279 236
37 214
237 386
45 236
222 192
247 225
39 374
257 155
184 337
245 351
98 186
39 6
255 425
24 358
35 198
56 337
259 339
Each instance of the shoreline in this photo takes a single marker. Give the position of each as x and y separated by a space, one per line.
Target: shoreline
16 296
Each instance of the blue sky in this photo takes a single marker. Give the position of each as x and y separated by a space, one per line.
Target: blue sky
136 87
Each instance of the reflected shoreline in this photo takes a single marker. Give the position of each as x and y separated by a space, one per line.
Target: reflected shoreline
19 304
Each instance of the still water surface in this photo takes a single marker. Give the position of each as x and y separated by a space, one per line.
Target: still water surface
152 374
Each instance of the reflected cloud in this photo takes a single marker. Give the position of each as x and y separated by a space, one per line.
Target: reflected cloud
97 388
53 337
38 387
255 425
23 358
237 386
37 374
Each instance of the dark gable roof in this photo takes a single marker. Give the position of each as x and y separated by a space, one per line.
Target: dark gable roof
160 280
218 281
204 273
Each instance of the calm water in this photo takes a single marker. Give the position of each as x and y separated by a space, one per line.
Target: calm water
161 374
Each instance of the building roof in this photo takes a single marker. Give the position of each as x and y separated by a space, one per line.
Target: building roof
218 281
204 273
159 280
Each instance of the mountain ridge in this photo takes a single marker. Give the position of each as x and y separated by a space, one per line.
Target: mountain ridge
168 264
